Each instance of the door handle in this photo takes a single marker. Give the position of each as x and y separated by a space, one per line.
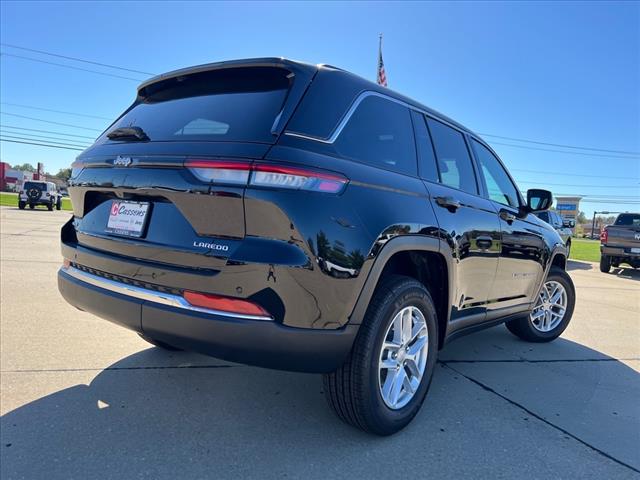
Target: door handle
507 216
449 203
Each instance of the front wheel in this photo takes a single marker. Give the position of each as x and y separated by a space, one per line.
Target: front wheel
32 206
383 382
605 264
50 207
21 204
552 312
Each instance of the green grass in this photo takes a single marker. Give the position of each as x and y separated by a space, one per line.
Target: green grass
583 249
8 199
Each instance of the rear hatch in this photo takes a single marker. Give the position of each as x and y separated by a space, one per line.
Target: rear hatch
143 196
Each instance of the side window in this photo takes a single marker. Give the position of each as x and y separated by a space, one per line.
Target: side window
380 133
454 162
499 186
427 168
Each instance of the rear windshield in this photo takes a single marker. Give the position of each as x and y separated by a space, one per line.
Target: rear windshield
628 219
230 105
30 185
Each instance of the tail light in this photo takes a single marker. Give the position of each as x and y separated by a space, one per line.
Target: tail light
604 235
225 304
266 175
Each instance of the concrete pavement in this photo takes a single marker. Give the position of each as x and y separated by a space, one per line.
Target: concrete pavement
81 398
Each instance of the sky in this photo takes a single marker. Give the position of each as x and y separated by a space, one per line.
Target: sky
556 73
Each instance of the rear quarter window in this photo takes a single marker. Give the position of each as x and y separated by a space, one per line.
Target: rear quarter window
379 133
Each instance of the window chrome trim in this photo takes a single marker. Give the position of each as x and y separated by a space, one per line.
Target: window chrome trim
356 103
150 295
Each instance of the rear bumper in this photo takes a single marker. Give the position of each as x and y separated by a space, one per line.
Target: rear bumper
620 252
259 342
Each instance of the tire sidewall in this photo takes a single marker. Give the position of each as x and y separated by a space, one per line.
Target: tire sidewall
411 295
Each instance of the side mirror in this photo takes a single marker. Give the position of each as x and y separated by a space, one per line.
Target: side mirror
539 200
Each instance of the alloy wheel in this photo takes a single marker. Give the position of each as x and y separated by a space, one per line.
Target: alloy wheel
550 307
403 357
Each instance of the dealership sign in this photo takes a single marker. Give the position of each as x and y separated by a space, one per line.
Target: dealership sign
566 206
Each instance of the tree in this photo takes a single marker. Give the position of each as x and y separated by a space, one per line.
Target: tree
582 218
64 174
25 167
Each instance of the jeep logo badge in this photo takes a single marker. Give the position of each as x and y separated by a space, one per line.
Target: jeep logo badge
122 161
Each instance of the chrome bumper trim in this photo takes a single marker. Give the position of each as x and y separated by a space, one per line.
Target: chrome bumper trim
150 295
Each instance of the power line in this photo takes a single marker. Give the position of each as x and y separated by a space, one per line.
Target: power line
75 59
553 173
40 144
45 131
559 144
49 121
69 66
2 135
55 111
33 135
561 151
637 187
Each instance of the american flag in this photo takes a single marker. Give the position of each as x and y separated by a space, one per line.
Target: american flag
382 75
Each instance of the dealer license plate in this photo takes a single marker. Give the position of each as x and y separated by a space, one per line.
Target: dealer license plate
127 218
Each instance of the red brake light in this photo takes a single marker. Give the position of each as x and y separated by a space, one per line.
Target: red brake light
223 171
604 235
296 178
266 175
225 304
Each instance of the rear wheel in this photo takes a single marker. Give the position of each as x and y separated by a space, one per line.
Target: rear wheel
383 382
552 312
59 204
50 207
32 206
21 204
605 264
159 344
569 249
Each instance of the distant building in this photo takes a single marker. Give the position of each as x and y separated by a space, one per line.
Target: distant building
568 207
11 179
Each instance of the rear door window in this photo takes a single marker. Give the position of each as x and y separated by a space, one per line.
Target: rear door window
240 105
454 162
379 133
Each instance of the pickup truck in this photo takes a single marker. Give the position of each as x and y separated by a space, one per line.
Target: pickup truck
620 242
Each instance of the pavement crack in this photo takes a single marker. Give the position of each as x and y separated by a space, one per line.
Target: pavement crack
540 418
551 360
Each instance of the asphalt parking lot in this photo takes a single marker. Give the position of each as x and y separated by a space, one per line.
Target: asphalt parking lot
81 398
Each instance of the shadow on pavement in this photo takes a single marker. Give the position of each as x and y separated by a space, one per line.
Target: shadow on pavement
158 414
575 265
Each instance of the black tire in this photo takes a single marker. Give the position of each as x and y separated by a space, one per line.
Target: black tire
59 204
159 344
523 327
569 249
32 206
50 207
352 391
21 204
605 264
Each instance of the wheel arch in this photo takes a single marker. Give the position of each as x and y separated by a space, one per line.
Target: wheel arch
427 259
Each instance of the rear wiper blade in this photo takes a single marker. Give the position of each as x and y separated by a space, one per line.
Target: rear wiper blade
124 133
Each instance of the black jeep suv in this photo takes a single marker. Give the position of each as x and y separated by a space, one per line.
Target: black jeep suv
299 217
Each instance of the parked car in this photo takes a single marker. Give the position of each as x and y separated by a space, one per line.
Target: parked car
561 225
34 193
620 242
205 214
